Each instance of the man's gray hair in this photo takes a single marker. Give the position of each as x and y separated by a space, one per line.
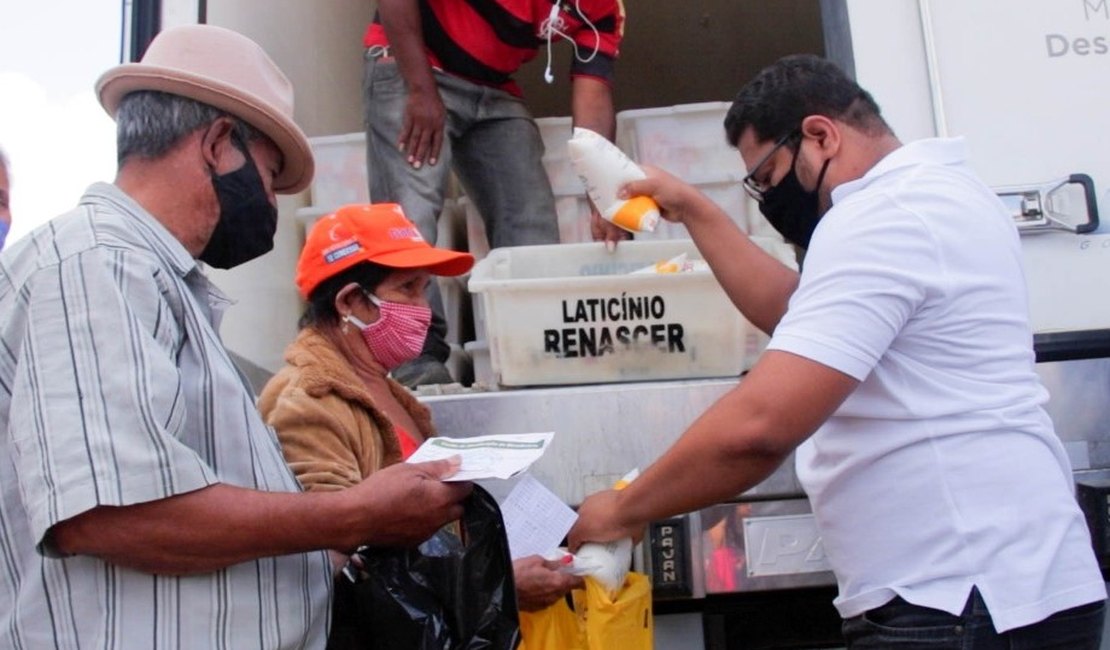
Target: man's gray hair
4 160
149 123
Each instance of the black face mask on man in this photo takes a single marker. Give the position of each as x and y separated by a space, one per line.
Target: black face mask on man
248 220
790 208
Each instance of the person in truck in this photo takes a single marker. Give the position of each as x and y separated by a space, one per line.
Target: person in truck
439 95
900 373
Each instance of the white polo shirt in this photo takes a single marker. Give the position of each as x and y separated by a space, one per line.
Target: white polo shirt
942 470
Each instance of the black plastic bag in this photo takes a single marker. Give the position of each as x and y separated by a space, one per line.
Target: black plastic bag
453 592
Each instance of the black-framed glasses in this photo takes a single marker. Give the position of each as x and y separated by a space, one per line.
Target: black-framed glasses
757 189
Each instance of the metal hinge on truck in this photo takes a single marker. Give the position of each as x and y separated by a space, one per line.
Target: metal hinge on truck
1066 204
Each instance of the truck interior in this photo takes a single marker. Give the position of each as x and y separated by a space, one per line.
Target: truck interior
673 53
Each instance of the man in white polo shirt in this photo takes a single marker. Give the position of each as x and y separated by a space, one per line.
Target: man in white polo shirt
901 371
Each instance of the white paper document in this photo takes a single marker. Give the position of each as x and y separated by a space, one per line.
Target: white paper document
498 456
536 520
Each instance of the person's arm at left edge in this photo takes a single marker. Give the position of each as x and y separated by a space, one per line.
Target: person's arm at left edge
733 446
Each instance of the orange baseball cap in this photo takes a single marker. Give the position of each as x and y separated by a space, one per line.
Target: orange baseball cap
378 233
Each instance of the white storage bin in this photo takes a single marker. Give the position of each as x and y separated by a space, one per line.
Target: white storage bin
564 182
451 226
456 307
729 195
341 175
758 225
476 241
687 140
478 312
459 365
478 351
572 314
574 219
308 216
573 213
555 131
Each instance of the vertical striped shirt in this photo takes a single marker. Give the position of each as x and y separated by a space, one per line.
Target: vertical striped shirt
115 389
486 41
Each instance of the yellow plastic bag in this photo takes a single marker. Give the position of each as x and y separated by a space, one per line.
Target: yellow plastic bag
554 628
620 623
598 622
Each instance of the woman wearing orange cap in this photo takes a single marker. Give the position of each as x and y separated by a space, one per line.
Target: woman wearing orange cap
337 413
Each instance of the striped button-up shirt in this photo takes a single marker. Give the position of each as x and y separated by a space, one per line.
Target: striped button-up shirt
115 389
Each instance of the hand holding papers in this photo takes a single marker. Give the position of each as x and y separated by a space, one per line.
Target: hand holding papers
536 520
498 456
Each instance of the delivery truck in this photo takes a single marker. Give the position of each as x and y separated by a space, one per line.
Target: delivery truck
1024 81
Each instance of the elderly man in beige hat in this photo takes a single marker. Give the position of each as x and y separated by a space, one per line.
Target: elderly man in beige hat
143 502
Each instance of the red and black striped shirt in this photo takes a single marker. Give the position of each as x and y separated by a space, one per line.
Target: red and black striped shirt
486 41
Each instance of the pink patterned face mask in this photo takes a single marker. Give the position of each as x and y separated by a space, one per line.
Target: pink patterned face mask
398 334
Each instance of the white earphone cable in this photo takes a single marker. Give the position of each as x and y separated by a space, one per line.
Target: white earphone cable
554 24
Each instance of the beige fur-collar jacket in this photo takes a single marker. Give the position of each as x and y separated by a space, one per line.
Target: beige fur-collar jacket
331 432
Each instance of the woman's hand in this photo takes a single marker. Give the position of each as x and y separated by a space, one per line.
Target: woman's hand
539 583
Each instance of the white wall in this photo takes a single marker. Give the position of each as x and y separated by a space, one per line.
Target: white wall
318 45
889 53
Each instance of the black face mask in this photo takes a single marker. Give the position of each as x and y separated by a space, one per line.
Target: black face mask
791 209
247 219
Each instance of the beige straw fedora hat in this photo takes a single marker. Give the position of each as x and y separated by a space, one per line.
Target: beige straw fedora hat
228 71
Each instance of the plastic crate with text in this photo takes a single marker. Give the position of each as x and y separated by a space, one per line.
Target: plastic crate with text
341 174
728 194
687 140
555 131
577 314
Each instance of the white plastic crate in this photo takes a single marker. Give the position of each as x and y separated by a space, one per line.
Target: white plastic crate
308 216
574 219
572 314
758 225
341 174
555 131
478 352
456 307
459 365
687 140
451 226
729 195
573 213
477 242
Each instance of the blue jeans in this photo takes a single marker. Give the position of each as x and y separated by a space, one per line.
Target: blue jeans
898 624
493 145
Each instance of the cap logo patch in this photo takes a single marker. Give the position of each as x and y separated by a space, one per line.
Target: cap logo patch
343 249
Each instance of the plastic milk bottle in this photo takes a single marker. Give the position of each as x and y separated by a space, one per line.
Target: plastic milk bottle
603 169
